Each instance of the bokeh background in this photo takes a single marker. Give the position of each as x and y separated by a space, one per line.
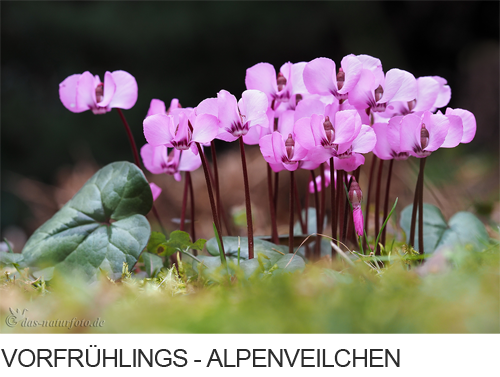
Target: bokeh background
191 50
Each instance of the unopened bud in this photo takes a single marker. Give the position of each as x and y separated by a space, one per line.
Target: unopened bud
281 81
424 137
355 194
379 93
99 92
340 78
289 146
329 130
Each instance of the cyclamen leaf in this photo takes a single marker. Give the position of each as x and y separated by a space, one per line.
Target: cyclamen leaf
101 227
153 263
157 243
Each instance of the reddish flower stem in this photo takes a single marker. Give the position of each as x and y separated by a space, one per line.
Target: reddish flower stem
276 192
340 196
386 201
299 208
316 202
274 227
322 211
334 209
347 211
368 197
130 138
377 203
416 198
248 204
421 209
291 213
184 202
191 198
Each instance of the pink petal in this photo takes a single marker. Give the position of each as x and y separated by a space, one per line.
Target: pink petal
438 126
375 66
410 132
262 76
468 121
189 161
346 123
299 152
428 90
253 105
297 79
67 93
205 128
319 155
278 146
357 216
157 129
254 135
85 92
226 136
152 158
349 164
286 123
319 76
126 90
207 106
308 107
444 95
394 133
227 109
109 90
399 86
352 67
365 141
382 149
303 133
455 131
157 107
155 190
317 128
362 95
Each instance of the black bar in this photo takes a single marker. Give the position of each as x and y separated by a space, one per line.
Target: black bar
385 358
185 356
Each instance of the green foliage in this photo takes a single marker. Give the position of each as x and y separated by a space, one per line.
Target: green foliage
99 229
231 245
463 228
153 263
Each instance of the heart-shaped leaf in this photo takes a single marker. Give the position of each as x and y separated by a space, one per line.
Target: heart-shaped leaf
463 228
153 263
101 227
231 247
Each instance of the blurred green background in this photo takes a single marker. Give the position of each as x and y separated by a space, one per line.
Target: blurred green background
191 50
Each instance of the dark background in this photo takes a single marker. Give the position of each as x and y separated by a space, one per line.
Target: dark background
191 50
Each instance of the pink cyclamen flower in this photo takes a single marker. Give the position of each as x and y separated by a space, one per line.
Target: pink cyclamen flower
388 145
159 160
155 190
356 197
81 92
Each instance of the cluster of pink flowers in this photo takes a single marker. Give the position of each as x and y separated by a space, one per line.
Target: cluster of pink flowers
305 115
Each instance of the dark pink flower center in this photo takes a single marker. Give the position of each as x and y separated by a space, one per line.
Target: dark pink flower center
99 92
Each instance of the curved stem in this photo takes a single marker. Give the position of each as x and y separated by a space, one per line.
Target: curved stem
334 209
274 227
340 197
191 198
299 207
184 202
377 203
367 217
316 202
322 211
421 208
416 198
248 204
130 138
291 213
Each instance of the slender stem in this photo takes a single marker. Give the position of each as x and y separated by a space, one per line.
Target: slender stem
291 213
276 191
299 208
386 200
345 214
247 199
340 197
184 202
274 228
367 218
414 210
216 178
210 194
130 138
191 198
347 211
321 211
334 209
316 202
421 208
377 203
306 217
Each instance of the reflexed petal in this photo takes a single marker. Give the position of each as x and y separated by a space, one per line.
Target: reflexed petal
226 136
399 86
286 123
468 121
299 152
346 123
155 190
126 90
157 107
349 164
308 165
317 128
319 155
308 107
177 176
455 131
375 66
189 161
357 216
253 106
352 67
254 135
109 90
393 133
205 128
262 76
428 90
278 146
297 78
67 93
152 157
438 127
410 132
85 92
207 106
320 76
382 148
362 95
157 129
227 109
444 95
365 141
303 133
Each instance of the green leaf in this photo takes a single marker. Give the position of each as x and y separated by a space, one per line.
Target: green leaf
179 240
465 229
231 247
157 243
101 227
153 263
311 222
10 258
290 263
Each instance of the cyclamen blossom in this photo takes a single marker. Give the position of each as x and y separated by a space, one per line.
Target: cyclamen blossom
159 160
81 92
155 190
356 197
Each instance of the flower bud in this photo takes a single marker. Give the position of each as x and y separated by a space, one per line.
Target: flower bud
289 145
329 130
355 194
424 137
379 92
281 81
340 78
